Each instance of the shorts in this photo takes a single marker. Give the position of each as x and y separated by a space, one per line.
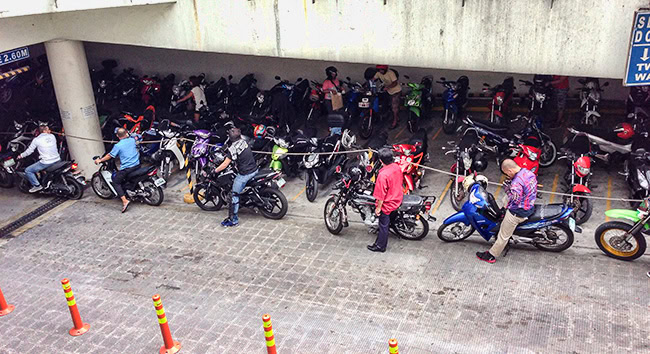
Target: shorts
394 102
560 98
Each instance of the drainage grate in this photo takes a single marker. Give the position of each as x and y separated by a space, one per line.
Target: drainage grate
6 231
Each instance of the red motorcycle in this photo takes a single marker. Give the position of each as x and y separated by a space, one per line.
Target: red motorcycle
406 158
500 105
316 97
576 182
150 88
527 154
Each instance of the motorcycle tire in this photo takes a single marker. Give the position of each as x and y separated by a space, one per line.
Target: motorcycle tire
413 122
276 194
166 169
552 154
611 250
468 232
24 186
456 203
582 214
156 196
77 189
100 187
330 207
6 179
407 235
562 247
366 127
450 126
212 203
311 187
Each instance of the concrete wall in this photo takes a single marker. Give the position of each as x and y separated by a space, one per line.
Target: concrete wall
155 61
10 8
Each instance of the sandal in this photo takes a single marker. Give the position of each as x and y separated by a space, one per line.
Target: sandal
126 206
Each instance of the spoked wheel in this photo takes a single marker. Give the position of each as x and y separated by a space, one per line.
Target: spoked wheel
155 195
582 208
333 216
311 187
412 228
208 198
558 238
457 195
100 187
6 179
76 189
455 232
366 127
548 154
611 239
276 204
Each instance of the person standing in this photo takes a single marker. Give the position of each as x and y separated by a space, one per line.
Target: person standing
561 91
127 151
521 195
48 154
198 94
331 85
392 86
240 152
388 194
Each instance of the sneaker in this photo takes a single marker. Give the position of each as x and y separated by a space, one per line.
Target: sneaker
35 189
229 223
648 274
486 256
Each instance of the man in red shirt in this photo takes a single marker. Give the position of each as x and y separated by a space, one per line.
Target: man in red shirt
388 194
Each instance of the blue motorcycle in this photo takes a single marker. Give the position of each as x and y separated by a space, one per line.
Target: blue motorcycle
550 228
454 100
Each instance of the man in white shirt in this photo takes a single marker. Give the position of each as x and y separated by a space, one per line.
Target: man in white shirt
198 94
45 143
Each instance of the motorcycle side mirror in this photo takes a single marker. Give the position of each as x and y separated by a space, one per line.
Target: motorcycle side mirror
442 78
348 78
277 77
407 77
606 84
229 77
486 84
299 79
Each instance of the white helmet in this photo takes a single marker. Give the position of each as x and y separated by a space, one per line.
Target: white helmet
471 179
348 139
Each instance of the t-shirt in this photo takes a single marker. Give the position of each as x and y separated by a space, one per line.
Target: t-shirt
388 79
389 188
128 153
243 156
328 85
562 85
522 193
199 97
47 151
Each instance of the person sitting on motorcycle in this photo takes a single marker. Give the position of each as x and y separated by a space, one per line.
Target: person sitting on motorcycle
331 85
241 153
389 194
126 149
48 154
521 193
392 86
198 94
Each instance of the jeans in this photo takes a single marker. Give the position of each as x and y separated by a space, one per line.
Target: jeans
32 169
118 179
237 187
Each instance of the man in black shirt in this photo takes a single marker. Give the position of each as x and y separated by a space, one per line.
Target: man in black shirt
241 153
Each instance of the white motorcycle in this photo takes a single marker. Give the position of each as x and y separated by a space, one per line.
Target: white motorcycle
140 185
590 98
169 152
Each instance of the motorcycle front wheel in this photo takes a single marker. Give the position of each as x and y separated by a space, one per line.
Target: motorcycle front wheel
311 187
457 196
208 199
455 232
449 122
366 126
413 121
548 154
333 217
6 179
100 187
155 195
582 208
556 242
412 229
275 203
610 239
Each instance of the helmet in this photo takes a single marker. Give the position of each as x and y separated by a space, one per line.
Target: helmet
479 163
355 173
348 139
259 131
468 182
329 71
482 180
463 81
624 131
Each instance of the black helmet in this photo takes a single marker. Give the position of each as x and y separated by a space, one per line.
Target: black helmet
479 163
329 71
355 173
463 81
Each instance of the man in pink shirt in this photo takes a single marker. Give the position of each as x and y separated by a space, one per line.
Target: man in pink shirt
388 194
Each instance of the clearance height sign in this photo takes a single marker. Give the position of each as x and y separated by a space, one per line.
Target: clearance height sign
638 61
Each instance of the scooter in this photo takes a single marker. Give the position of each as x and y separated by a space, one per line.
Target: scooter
418 101
321 166
59 179
550 228
621 240
169 152
590 98
140 185
454 100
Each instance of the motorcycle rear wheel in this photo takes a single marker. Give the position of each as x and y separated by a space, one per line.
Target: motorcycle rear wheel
458 230
408 229
206 200
457 199
614 249
278 197
100 187
548 154
6 179
311 187
156 194
333 217
558 247
450 126
77 189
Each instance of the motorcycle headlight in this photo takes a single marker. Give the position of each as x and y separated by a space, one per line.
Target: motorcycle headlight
176 91
310 160
595 96
582 170
643 181
499 99
411 102
467 160
531 154
102 83
540 97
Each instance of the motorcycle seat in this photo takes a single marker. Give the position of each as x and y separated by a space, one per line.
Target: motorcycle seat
57 166
410 201
260 176
497 128
140 172
548 211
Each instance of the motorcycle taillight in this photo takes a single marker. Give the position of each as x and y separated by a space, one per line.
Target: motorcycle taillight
153 173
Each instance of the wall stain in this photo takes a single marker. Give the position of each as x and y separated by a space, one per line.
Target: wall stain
278 45
197 25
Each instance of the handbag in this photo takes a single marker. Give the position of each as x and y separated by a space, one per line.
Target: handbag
337 101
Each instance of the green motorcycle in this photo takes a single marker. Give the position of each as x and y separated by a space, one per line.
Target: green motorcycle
418 101
621 240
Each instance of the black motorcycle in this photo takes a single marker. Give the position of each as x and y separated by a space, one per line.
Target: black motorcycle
355 189
59 179
469 159
260 194
321 163
140 185
636 170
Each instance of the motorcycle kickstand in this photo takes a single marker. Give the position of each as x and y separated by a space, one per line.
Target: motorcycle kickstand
506 249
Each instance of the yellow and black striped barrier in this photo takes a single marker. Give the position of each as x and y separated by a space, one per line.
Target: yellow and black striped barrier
188 197
14 72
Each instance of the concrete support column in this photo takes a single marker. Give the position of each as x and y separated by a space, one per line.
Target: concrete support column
74 94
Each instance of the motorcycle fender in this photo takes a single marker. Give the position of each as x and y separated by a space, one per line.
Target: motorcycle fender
579 188
627 214
80 179
415 110
177 152
108 178
408 180
276 165
458 217
498 113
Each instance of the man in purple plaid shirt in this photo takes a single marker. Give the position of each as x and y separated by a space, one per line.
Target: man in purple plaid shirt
521 194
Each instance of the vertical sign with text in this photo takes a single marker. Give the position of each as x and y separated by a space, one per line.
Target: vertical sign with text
638 61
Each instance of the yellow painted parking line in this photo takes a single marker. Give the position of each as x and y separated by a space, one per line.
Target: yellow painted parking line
554 188
496 194
442 196
609 195
400 132
436 134
298 195
186 187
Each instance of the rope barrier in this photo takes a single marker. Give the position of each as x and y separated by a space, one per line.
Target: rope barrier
356 152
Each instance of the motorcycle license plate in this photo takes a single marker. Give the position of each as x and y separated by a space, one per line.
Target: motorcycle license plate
572 224
159 182
281 182
364 104
9 163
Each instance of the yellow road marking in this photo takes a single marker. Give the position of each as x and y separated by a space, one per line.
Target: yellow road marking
400 132
437 133
442 196
609 195
298 195
187 186
554 188
496 194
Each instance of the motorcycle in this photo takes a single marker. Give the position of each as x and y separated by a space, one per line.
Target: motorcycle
481 213
454 100
323 160
539 93
316 98
590 98
168 152
369 105
140 185
282 161
576 182
354 188
469 160
59 179
622 240
613 145
636 170
262 193
409 157
418 101
500 105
